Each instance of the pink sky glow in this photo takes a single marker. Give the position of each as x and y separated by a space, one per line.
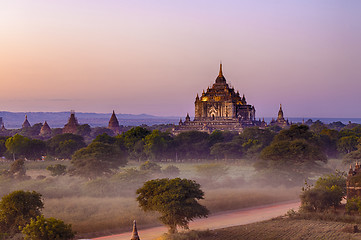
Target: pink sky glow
154 56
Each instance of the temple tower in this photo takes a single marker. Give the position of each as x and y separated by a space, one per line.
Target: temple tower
45 130
72 125
26 123
114 124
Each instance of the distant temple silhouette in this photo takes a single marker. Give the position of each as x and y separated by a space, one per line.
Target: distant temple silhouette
280 121
114 124
72 125
45 130
26 123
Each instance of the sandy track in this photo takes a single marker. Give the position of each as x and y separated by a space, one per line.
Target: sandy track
220 220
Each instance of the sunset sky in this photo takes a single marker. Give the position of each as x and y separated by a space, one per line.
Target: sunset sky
154 56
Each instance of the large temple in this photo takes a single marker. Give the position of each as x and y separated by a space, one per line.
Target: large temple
219 108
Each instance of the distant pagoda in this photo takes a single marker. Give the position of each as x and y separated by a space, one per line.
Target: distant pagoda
114 124
45 130
72 125
26 123
280 121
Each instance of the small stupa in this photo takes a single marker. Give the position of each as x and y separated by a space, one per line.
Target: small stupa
72 125
26 123
45 130
114 124
135 235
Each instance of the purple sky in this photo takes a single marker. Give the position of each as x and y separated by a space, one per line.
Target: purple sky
154 56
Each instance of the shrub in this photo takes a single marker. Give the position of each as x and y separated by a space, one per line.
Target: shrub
48 229
57 169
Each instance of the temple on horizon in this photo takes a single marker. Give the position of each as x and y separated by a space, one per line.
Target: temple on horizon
219 108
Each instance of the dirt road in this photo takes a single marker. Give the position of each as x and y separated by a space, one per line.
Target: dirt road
220 220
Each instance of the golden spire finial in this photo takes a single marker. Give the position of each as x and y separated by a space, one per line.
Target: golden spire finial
220 70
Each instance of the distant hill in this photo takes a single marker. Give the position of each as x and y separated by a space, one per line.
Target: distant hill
58 119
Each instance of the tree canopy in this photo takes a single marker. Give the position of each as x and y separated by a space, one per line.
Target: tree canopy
17 208
175 199
97 159
43 228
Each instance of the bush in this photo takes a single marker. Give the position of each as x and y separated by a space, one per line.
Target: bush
57 169
353 205
151 167
48 229
17 208
328 192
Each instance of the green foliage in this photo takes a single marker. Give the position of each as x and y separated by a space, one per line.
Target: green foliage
354 156
296 151
57 169
150 166
158 145
83 130
295 132
16 145
192 145
17 208
64 145
97 159
48 229
353 205
105 138
175 199
228 150
347 144
17 169
2 145
327 192
133 140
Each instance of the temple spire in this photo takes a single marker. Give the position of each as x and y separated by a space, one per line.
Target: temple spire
220 70
135 235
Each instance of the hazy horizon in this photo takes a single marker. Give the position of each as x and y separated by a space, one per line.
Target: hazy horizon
153 57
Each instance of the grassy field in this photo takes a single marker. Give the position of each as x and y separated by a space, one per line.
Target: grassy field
108 205
276 229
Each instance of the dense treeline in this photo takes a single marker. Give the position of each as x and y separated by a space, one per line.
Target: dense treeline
297 147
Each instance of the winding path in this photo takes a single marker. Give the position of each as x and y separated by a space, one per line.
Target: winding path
215 221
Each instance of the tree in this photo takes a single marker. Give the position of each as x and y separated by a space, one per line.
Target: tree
97 159
152 167
297 151
2 145
226 150
347 144
43 228
57 169
158 145
327 192
175 199
133 140
83 130
17 208
295 132
64 145
17 169
192 145
16 145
